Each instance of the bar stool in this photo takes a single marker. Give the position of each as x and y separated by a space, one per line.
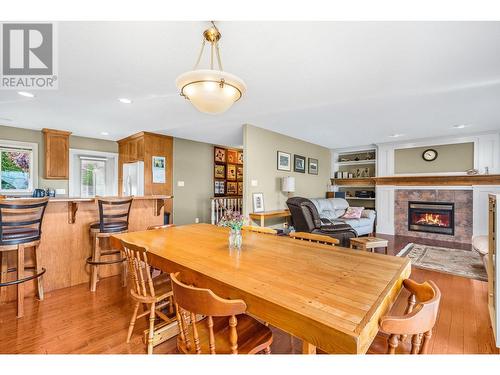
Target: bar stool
20 229
113 219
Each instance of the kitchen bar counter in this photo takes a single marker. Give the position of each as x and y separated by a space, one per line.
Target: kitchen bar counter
65 243
84 199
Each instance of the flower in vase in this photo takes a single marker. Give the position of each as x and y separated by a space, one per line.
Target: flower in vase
232 219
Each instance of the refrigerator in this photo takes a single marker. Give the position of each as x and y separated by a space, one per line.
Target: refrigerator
133 179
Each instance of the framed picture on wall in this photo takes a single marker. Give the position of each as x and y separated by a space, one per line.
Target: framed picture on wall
231 172
312 166
232 188
299 164
239 173
159 169
240 157
258 202
219 155
284 161
219 187
219 171
232 156
240 188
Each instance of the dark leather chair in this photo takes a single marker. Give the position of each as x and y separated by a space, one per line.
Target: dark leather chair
305 218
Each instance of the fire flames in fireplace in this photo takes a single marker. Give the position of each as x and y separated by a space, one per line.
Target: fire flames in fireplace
432 219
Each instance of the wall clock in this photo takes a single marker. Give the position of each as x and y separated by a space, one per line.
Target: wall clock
429 154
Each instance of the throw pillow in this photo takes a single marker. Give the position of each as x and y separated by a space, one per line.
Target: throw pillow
353 213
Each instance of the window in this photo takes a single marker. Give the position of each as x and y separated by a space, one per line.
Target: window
92 177
17 170
92 173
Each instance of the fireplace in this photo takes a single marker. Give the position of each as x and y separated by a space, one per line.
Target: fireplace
431 217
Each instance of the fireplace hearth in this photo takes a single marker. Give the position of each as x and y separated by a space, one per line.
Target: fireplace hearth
431 217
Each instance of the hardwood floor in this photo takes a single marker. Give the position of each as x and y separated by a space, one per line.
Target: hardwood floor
73 320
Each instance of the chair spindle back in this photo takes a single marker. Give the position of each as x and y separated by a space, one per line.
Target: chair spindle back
256 229
140 270
312 237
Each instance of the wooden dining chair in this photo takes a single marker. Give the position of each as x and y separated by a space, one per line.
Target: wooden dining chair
256 229
155 292
225 329
161 226
312 237
418 320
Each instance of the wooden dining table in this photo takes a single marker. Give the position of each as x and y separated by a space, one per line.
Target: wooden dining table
330 297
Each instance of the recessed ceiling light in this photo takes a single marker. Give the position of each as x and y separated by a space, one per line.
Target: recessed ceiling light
396 135
460 126
104 133
125 100
26 94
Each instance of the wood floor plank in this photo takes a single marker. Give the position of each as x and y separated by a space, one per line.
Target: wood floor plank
73 320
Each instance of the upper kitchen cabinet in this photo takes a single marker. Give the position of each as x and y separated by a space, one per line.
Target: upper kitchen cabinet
56 154
131 149
145 146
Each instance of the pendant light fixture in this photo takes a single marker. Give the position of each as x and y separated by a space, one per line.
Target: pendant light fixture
211 90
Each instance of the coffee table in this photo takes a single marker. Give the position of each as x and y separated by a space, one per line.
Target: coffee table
369 243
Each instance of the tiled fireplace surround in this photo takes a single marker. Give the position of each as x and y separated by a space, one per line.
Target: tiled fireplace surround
463 212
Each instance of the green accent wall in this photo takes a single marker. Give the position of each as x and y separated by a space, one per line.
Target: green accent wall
260 147
193 164
457 157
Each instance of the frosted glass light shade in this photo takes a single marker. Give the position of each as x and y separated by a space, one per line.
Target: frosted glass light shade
211 91
288 184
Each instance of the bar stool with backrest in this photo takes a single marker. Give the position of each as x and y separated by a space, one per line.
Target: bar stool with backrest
224 327
153 292
113 219
418 320
21 229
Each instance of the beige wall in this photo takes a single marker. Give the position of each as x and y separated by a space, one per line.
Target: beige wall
36 136
451 158
260 152
193 164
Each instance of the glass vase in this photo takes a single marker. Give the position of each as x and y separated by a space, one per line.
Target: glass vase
235 239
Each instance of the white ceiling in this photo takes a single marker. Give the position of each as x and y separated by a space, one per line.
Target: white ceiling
336 84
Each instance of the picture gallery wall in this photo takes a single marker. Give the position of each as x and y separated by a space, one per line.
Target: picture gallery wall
228 172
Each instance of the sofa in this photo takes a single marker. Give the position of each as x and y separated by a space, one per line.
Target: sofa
332 209
305 218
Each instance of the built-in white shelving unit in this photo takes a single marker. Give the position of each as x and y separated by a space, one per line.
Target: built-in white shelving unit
355 163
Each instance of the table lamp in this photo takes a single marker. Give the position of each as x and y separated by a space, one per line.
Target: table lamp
288 185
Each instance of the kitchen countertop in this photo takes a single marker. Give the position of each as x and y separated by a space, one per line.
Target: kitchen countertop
87 199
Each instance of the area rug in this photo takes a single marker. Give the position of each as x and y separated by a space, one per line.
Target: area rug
463 263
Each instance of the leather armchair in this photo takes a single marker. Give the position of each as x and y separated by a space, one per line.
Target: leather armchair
305 218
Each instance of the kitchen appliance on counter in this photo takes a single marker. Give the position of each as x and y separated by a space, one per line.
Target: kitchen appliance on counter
39 193
133 178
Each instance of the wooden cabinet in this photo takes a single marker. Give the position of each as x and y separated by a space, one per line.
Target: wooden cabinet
142 147
56 144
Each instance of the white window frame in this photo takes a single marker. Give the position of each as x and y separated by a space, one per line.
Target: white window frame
33 183
73 152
